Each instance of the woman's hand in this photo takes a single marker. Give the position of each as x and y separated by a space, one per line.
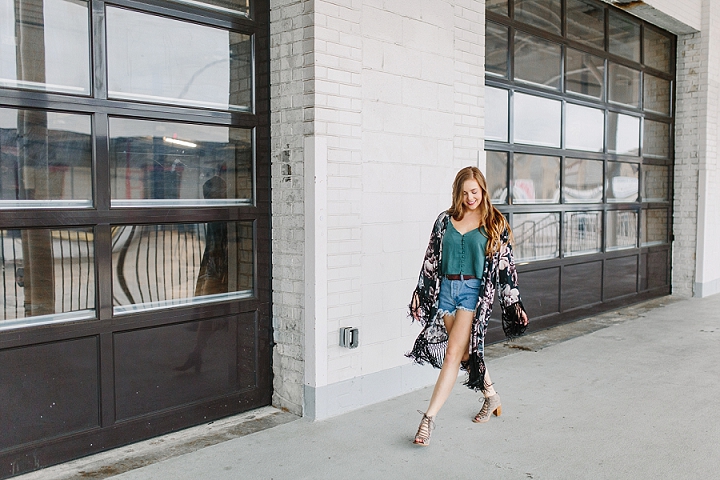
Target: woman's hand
415 306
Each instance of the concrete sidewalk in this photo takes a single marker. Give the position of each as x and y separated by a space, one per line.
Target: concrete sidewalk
631 394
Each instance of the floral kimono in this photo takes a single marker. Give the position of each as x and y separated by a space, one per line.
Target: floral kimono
499 271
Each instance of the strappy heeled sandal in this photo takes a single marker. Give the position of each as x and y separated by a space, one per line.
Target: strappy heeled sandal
491 405
427 424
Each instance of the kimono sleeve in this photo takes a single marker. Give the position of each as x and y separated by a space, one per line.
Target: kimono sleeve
514 317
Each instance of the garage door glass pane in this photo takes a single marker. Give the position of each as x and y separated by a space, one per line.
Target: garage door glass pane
621 229
656 139
623 85
166 163
654 227
656 94
537 236
241 7
624 36
584 74
496 49
160 266
545 14
583 233
583 181
45 159
45 45
623 134
655 183
584 128
623 182
154 59
496 109
537 61
536 120
48 275
496 176
536 179
658 50
586 22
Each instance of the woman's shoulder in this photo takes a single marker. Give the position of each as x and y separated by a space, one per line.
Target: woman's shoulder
443 217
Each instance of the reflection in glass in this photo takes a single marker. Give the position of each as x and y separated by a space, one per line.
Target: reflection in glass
162 60
582 233
496 49
537 236
536 179
586 22
623 85
656 138
655 183
545 14
623 134
170 163
624 36
536 120
584 128
658 50
497 6
656 94
621 229
497 167
623 182
537 60
584 73
45 45
496 111
583 181
49 273
225 6
157 266
654 227
45 159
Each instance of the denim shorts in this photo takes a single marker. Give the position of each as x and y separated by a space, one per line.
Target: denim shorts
458 294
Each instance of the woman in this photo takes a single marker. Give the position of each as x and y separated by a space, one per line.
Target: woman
468 255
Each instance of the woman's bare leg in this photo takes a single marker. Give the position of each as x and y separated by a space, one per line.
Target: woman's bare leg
489 388
458 341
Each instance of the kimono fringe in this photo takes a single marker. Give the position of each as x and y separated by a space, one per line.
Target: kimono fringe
476 374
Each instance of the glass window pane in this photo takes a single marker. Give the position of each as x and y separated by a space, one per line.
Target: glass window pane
166 163
623 184
654 227
496 49
156 59
225 6
623 85
159 266
45 159
586 22
536 179
656 138
621 229
48 274
624 36
536 120
496 113
658 50
497 6
496 176
537 61
656 94
45 45
545 14
584 128
656 179
623 134
583 181
584 74
537 236
582 233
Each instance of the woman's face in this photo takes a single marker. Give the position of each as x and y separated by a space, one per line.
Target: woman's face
472 194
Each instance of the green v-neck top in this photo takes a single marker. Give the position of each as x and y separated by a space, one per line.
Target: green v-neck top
463 254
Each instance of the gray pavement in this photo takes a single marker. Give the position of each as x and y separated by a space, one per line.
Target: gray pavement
631 394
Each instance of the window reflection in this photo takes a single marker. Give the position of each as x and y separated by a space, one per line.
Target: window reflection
497 6
621 229
545 14
161 60
536 236
226 6
586 22
536 120
656 138
45 45
624 35
496 49
655 183
48 273
45 159
623 85
537 60
584 128
584 74
623 184
156 266
170 163
496 111
623 134
497 168
582 233
536 179
656 94
658 50
654 227
583 181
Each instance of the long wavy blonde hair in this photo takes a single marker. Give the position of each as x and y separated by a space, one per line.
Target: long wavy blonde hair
490 217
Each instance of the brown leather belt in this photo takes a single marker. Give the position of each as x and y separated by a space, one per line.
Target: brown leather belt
460 277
